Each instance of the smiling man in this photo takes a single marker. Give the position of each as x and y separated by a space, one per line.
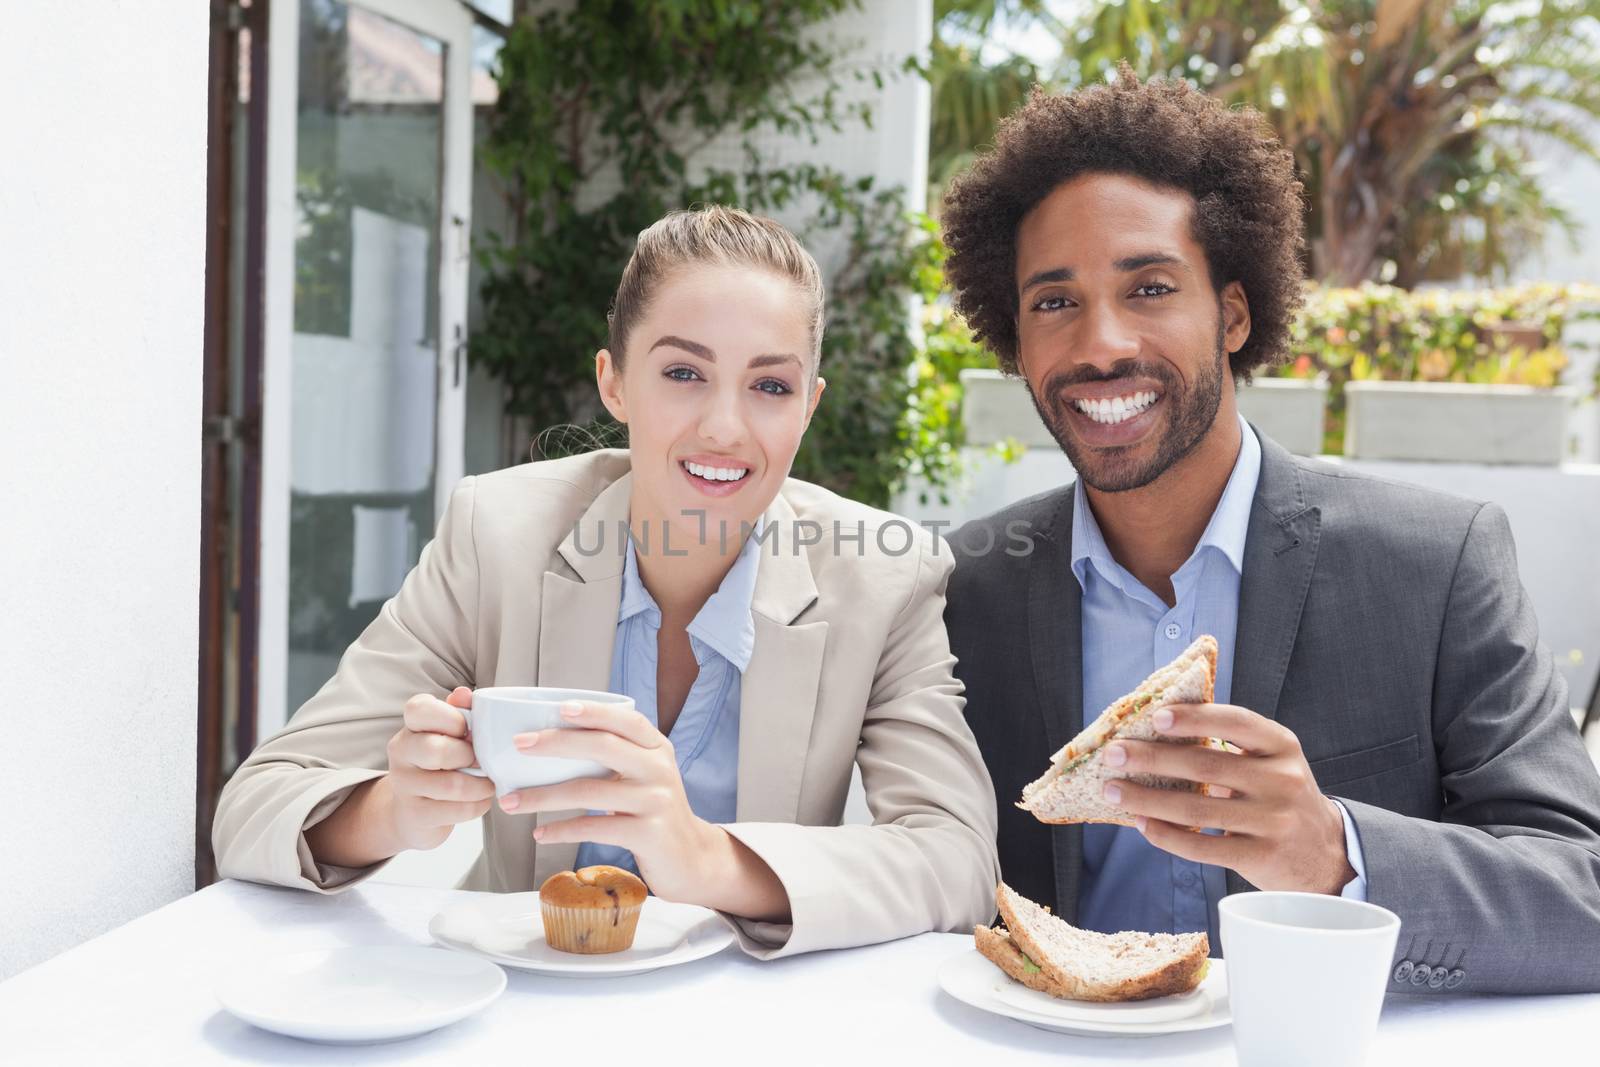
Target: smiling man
1132 251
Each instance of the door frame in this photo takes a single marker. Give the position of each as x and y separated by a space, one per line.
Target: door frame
231 406
449 22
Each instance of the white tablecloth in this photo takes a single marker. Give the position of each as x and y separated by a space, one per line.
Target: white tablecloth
142 994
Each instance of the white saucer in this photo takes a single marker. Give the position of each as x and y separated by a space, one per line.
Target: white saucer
972 979
353 996
505 928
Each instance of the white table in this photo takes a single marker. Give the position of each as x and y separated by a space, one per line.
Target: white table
142 994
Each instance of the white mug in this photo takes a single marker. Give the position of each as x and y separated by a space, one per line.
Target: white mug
1306 976
499 713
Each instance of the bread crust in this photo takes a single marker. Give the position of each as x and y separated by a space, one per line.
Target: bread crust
999 949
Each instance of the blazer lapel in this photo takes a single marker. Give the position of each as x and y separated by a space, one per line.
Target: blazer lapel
578 625
1279 557
1055 641
778 692
578 604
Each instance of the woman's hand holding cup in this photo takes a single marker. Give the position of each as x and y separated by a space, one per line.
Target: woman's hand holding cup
428 792
646 811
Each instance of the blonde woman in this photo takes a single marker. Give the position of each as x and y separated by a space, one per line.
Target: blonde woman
772 634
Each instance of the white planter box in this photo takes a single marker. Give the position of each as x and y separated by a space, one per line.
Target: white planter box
1288 410
1448 422
995 407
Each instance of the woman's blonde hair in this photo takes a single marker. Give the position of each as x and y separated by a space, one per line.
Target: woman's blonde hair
718 236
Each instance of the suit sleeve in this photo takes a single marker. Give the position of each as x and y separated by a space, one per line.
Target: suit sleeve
1505 888
422 641
928 861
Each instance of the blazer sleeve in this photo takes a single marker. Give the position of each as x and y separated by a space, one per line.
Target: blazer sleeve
422 641
928 861
1505 888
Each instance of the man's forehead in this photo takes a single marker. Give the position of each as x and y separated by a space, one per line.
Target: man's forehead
1106 221
1127 193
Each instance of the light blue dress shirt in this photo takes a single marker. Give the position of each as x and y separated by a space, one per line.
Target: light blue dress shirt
1128 633
705 736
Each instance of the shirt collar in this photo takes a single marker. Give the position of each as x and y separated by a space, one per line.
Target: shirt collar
1230 523
1226 532
724 622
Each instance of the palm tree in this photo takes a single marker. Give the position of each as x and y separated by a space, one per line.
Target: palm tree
972 90
1411 120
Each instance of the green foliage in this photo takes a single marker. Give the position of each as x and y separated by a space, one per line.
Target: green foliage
947 350
1409 119
1511 336
604 112
973 89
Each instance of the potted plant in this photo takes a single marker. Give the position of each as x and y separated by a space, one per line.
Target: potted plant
1508 411
996 409
1466 376
1289 408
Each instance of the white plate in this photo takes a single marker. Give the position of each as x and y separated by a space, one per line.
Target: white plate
352 996
972 979
1167 1009
506 928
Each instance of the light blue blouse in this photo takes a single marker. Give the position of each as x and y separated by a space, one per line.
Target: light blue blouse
705 736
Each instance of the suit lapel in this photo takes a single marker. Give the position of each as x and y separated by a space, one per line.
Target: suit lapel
1055 640
778 692
1280 554
1279 558
578 625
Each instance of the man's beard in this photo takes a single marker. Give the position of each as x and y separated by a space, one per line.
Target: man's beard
1191 413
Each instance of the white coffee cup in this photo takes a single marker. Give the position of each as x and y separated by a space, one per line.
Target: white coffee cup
499 713
1306 976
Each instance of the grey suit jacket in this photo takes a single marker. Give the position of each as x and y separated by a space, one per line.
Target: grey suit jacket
1387 627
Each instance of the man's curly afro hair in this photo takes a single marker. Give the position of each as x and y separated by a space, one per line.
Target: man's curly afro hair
1248 202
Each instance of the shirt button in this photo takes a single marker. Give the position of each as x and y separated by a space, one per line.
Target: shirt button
1186 879
1173 631
1403 971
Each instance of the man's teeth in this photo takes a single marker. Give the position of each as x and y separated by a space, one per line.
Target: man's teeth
715 474
1116 409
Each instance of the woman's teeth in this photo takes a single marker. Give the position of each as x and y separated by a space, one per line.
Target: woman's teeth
1116 409
715 474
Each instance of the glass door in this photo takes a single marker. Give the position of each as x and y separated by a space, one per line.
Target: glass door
364 384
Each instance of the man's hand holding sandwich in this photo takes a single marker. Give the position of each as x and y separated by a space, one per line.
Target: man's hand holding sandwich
1279 831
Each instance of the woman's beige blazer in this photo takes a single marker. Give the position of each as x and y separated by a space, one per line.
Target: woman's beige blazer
851 667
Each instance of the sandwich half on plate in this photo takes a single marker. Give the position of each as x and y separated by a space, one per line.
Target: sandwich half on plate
1072 789
1044 952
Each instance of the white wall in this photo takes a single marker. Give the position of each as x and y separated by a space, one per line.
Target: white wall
879 36
102 271
1573 181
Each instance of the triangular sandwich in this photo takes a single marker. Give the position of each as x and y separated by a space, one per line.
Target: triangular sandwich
1045 953
1071 790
